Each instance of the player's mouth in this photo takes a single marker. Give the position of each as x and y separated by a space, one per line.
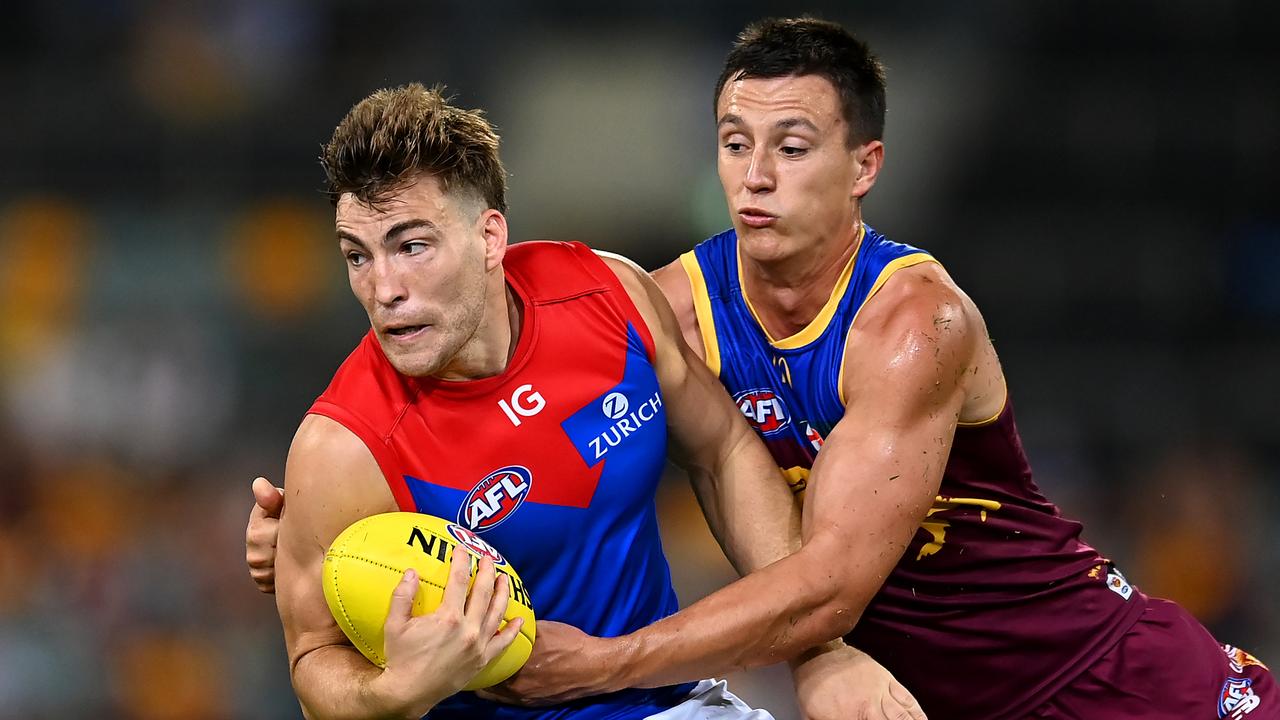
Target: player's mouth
404 332
756 218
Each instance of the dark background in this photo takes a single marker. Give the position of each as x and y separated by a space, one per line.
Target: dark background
1094 174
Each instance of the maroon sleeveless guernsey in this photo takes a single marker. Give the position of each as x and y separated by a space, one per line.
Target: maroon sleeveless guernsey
996 603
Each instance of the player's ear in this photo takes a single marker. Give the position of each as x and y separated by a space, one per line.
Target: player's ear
493 229
869 158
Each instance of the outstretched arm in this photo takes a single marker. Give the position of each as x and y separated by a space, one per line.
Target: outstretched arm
872 484
833 681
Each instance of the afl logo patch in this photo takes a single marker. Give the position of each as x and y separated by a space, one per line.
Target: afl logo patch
764 410
1237 698
495 498
473 543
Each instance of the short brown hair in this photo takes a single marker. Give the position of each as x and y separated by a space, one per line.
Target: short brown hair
779 47
394 134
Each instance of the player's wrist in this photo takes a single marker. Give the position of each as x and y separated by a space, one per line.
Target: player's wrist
804 658
392 699
818 661
619 664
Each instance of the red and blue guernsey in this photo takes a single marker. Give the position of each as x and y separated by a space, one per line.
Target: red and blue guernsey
554 462
996 604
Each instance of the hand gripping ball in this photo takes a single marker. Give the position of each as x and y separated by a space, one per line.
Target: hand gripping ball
366 562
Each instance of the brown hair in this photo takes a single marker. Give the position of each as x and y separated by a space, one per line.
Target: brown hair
394 134
779 47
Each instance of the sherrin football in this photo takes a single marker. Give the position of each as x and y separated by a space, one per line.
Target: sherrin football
366 562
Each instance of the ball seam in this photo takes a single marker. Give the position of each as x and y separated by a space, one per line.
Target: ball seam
343 606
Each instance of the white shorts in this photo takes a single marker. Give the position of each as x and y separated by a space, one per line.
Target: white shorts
711 700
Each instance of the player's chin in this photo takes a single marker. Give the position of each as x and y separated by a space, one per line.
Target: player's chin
767 243
414 362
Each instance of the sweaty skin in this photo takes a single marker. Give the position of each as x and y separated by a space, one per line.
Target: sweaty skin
917 361
409 264
796 227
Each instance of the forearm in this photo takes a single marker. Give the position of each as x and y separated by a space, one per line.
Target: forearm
748 506
856 532
770 616
337 683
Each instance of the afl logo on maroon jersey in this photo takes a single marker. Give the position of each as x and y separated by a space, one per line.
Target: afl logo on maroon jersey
495 498
764 409
472 542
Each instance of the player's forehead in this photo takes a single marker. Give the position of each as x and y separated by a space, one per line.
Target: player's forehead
423 198
750 102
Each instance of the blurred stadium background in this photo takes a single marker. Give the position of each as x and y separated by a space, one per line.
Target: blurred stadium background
171 299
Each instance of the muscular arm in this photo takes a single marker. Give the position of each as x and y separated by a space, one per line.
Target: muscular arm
869 489
833 680
749 508
331 481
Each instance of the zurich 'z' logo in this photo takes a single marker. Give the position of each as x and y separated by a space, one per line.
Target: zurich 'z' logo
495 498
764 409
615 405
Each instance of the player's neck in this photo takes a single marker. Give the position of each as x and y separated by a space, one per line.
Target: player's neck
489 351
788 293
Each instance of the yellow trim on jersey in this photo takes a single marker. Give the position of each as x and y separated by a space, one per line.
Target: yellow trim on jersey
815 327
894 266
702 310
988 421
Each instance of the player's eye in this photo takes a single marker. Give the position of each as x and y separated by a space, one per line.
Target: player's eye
414 247
734 147
793 151
356 259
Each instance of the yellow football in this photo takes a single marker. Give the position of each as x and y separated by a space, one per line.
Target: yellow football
366 562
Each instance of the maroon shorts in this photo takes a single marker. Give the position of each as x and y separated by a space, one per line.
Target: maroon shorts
1169 666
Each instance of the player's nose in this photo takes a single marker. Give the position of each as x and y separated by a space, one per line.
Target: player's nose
388 286
759 177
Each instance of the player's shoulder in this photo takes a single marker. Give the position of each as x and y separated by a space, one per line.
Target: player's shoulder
673 280
634 280
329 466
626 269
548 263
543 252
920 301
663 311
549 271
326 439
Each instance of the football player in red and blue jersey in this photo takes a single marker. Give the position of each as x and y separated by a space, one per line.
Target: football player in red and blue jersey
525 392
